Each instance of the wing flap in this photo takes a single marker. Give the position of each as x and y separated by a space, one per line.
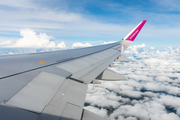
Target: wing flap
87 115
67 103
52 97
109 75
85 71
95 72
71 111
122 59
12 85
37 93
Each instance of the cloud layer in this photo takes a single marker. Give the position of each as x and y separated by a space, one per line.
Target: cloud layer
152 90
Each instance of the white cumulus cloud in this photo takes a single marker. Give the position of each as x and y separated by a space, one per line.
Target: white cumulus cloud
178 112
4 43
79 44
108 42
32 39
152 90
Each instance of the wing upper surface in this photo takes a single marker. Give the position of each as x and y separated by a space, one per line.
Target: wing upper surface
87 68
10 64
56 89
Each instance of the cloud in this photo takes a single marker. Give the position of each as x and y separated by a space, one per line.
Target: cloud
140 77
134 94
145 111
170 101
5 43
156 86
18 3
78 44
66 21
126 87
31 39
138 46
152 90
62 19
170 5
61 45
178 112
135 48
108 42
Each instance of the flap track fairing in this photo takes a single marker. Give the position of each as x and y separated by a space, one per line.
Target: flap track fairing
109 75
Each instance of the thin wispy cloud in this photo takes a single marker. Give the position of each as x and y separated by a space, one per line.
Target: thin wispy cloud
108 20
170 5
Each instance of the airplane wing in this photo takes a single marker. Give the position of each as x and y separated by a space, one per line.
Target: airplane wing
53 85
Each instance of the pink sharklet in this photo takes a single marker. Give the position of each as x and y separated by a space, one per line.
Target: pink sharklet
124 47
136 31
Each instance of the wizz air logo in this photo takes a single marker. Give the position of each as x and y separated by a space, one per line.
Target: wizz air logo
134 34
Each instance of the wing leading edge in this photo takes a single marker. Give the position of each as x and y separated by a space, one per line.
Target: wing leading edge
55 89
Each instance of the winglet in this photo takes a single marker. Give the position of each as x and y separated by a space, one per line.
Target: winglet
132 35
126 41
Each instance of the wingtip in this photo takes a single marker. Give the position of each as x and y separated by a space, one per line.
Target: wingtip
135 31
144 21
129 38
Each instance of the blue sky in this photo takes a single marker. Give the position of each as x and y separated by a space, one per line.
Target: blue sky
153 85
91 21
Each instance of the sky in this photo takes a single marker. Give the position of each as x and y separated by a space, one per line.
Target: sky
152 88
62 23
